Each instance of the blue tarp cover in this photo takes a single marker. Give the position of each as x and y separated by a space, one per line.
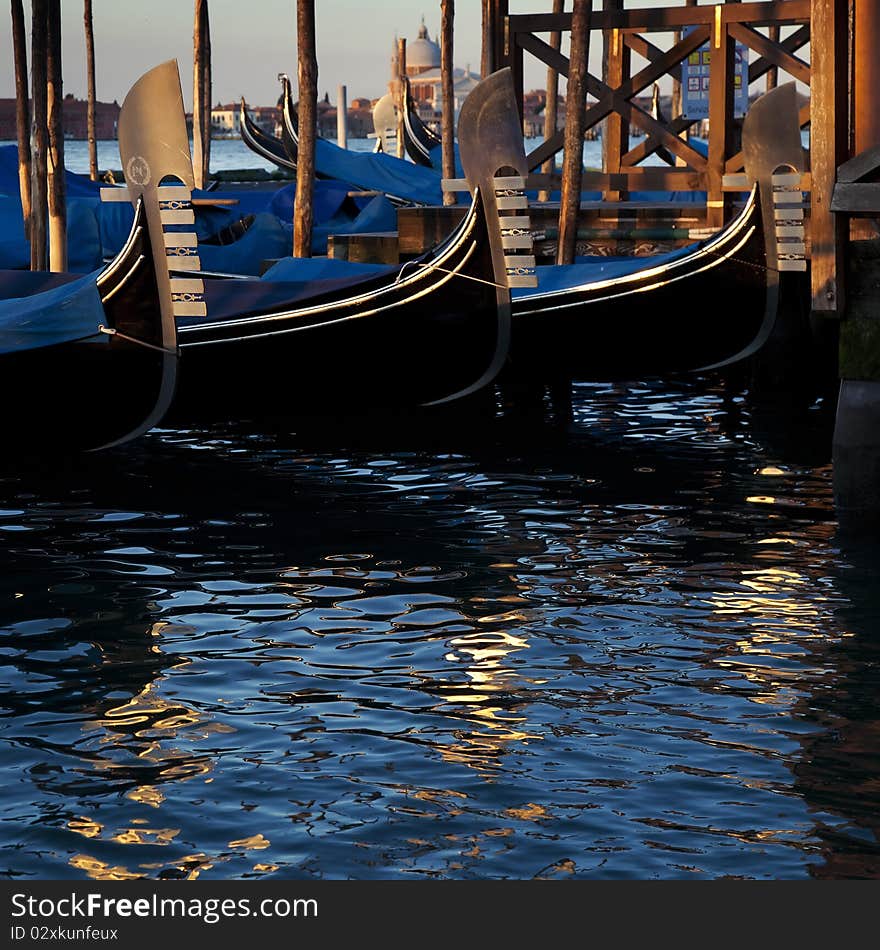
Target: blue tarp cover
71 312
588 270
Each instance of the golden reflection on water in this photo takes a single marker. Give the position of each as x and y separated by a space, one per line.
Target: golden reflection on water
783 612
484 654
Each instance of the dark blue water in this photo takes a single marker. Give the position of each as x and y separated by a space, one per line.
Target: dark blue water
635 646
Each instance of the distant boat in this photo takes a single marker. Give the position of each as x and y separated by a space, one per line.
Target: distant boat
265 145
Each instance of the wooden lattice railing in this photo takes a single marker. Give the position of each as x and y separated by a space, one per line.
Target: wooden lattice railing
627 31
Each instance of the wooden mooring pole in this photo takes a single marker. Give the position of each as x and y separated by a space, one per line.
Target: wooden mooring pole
551 106
575 109
201 93
39 133
856 450
307 74
22 112
498 54
447 124
486 43
55 183
342 116
828 149
616 65
90 86
401 94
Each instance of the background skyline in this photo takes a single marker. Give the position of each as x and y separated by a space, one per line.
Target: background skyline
354 41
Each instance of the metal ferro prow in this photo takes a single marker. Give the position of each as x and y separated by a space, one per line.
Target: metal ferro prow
154 145
490 146
774 160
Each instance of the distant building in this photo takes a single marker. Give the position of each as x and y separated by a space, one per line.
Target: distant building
225 121
75 115
423 70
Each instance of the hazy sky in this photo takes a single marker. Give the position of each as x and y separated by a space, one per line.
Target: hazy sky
252 42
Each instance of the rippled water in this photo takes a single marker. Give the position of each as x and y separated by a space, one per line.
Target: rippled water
633 646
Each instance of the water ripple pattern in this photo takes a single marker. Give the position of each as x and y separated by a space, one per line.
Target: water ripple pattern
633 647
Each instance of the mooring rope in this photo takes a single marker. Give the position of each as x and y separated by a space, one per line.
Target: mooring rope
131 339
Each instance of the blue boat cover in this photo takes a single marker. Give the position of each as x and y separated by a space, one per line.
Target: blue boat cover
62 315
307 269
264 240
589 270
376 171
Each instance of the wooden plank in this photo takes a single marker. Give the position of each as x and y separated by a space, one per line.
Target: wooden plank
380 247
857 198
662 19
795 67
860 166
828 149
653 178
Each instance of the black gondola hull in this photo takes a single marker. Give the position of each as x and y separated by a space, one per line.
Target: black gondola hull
703 309
89 393
402 339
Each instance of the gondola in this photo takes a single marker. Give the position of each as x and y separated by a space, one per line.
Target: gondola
418 140
707 305
701 307
265 145
90 362
433 330
404 183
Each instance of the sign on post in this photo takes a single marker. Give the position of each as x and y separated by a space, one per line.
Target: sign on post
695 82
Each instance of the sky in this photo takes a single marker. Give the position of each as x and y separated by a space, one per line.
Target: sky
252 42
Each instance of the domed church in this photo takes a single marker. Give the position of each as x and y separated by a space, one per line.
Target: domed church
423 70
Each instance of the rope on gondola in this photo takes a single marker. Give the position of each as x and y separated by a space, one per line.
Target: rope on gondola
132 339
454 273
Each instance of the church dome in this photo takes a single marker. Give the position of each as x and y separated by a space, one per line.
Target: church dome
422 53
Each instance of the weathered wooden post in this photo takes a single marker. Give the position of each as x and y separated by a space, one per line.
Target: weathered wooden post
856 450
575 110
307 74
55 181
447 122
22 112
551 106
615 135
722 67
773 71
677 102
500 51
90 85
342 116
201 93
39 133
486 44
401 94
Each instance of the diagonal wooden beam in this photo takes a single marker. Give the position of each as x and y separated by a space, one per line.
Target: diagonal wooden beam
652 142
543 51
771 51
545 150
647 76
654 128
647 50
791 44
